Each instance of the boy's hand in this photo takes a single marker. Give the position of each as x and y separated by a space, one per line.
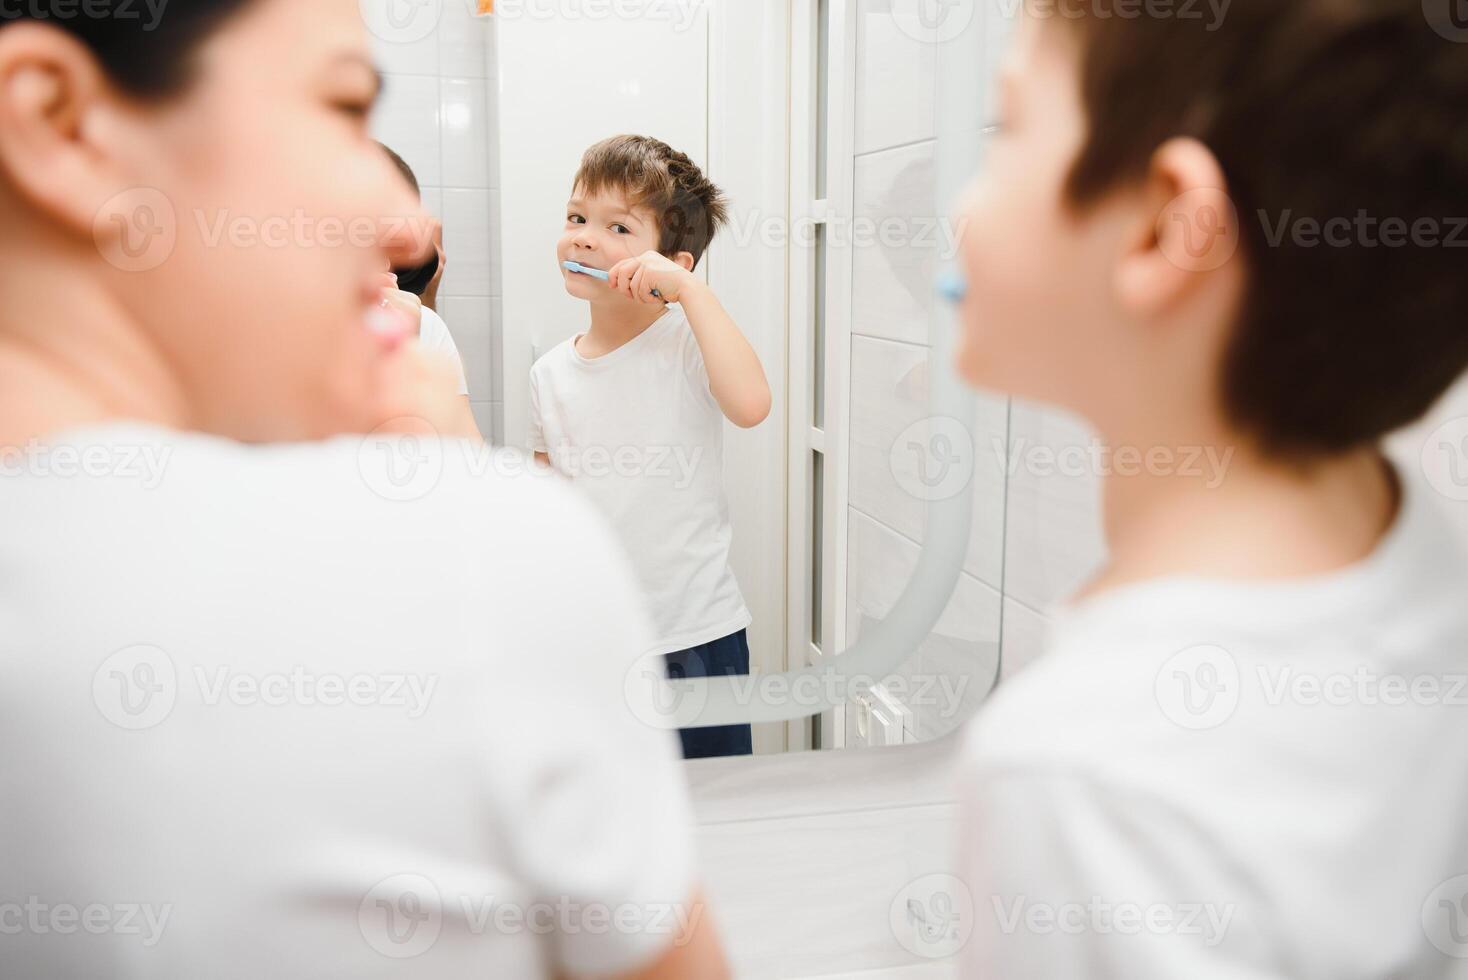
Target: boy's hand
636 278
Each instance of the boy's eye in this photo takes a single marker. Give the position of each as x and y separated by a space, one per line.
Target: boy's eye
621 229
575 219
354 109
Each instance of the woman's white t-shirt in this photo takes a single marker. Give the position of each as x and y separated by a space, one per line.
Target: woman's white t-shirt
434 335
318 711
1234 780
640 433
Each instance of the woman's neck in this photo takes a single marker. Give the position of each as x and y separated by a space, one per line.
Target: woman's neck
615 324
71 355
1234 514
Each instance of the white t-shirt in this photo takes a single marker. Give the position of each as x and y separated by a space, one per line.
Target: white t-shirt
1234 780
639 431
434 335
290 712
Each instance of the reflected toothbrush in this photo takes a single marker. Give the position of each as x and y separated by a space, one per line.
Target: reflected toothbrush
587 270
952 286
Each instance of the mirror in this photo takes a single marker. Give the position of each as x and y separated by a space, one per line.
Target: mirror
887 537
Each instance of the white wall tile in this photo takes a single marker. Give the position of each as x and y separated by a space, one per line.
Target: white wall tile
1054 537
413 53
895 80
469 321
466 242
1023 638
895 236
484 418
463 39
406 119
465 121
889 395
954 669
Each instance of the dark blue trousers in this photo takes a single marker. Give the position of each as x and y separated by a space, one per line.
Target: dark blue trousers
724 657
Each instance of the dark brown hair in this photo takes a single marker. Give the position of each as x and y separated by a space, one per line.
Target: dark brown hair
688 208
150 55
1318 109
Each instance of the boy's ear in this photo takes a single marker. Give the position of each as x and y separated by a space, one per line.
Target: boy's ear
686 260
54 109
1186 230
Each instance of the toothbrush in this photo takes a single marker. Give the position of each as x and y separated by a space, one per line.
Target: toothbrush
952 286
587 270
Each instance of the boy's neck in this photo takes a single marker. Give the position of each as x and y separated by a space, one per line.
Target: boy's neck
616 324
1247 518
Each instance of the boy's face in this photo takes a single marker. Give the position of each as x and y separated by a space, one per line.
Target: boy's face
1040 320
602 229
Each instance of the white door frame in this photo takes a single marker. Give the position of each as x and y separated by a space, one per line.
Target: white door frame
816 210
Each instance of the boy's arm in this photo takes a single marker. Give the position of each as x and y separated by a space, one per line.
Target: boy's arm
736 377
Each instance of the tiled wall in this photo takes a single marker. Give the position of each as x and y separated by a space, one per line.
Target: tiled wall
892 305
438 111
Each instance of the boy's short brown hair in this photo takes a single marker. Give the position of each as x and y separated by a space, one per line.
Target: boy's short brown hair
687 206
1320 110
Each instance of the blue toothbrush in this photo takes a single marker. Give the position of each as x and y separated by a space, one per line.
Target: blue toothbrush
587 270
952 287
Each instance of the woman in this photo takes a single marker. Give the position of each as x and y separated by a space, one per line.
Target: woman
251 725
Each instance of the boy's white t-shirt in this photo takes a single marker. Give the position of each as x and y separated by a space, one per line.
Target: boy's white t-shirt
1234 780
434 335
640 433
318 711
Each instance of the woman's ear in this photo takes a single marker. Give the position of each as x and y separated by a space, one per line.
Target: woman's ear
1185 233
53 97
686 260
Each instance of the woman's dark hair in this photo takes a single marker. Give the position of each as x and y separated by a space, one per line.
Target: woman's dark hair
147 53
414 279
403 167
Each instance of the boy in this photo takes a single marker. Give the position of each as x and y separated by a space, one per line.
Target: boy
633 409
1245 753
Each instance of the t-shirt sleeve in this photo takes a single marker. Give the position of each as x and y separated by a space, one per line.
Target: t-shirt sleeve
1069 878
535 434
695 372
601 825
434 335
